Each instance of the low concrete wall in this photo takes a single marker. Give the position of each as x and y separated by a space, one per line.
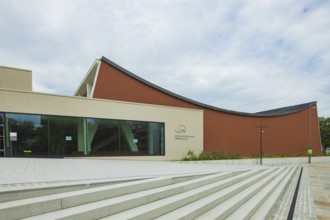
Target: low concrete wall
265 161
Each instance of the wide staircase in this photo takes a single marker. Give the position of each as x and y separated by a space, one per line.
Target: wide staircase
248 194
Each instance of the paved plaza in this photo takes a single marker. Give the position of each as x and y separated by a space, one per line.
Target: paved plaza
18 173
32 170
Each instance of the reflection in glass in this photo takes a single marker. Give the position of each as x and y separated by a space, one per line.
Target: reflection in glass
63 135
58 136
102 135
119 137
28 134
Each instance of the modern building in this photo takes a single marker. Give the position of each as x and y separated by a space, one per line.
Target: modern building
116 113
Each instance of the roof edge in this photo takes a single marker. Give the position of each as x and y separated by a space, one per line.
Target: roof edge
83 82
269 113
15 68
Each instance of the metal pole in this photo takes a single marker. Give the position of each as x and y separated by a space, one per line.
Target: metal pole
261 131
260 144
310 132
310 126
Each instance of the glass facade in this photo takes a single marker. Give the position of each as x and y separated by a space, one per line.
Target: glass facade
58 136
2 134
117 137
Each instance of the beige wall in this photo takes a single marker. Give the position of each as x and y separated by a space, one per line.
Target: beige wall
16 79
176 144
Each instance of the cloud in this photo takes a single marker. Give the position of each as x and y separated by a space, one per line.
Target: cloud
240 55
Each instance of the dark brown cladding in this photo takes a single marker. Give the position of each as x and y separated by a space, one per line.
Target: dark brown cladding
289 130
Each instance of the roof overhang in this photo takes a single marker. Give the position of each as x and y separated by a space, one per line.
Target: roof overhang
89 80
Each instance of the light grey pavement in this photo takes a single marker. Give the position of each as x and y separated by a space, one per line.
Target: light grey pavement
32 170
313 200
319 178
305 208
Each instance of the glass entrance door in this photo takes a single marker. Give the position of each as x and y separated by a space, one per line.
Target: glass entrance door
2 135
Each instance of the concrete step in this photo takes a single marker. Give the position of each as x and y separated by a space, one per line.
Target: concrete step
157 208
16 191
97 202
264 209
201 206
232 195
304 206
43 204
226 208
261 203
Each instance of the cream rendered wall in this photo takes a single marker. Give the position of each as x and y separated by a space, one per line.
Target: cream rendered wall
176 144
17 79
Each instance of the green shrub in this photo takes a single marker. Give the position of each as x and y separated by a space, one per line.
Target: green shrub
233 156
190 156
214 155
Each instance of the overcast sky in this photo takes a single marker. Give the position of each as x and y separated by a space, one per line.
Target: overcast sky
249 56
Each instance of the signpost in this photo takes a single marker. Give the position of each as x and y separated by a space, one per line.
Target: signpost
310 153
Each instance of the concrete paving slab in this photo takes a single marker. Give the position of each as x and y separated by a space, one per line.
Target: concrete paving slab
319 175
25 171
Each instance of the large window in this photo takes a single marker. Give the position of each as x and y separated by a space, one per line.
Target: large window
63 135
102 137
26 134
118 137
42 135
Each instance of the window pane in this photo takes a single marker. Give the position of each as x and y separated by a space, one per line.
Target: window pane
134 137
27 134
102 137
63 136
156 138
119 137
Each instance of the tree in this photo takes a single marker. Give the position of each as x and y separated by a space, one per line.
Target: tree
325 132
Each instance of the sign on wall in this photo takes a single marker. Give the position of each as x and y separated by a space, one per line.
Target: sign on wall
13 136
182 134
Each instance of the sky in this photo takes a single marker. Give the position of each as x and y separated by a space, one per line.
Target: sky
246 56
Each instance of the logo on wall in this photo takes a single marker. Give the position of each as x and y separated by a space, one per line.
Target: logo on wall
181 131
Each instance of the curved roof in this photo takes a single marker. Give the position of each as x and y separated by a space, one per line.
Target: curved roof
268 113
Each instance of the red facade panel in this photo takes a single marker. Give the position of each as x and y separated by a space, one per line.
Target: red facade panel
283 135
289 134
113 84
